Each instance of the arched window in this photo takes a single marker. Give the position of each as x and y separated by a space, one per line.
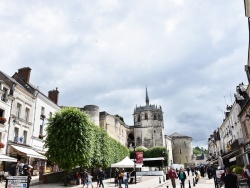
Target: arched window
146 116
139 118
155 117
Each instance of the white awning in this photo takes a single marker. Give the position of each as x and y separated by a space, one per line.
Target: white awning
29 152
7 158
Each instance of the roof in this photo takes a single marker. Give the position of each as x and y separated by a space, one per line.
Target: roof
179 135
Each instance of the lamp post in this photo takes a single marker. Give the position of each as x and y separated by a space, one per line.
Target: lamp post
162 159
135 162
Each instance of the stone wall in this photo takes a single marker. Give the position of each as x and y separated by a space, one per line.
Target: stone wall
182 150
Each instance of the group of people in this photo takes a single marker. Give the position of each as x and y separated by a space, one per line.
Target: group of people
198 172
121 176
86 178
21 169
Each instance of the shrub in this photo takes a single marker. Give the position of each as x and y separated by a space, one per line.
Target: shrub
238 170
232 167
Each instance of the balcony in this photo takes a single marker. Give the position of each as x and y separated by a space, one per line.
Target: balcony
237 143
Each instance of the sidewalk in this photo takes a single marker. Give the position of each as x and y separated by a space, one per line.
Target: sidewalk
147 182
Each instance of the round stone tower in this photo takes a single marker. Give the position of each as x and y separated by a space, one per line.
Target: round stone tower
182 149
93 112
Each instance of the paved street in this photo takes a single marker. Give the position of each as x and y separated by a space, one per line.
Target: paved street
147 182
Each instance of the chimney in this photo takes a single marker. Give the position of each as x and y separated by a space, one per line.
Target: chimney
54 95
25 73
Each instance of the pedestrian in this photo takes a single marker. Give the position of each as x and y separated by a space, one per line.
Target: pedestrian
101 177
230 179
25 168
188 170
192 170
85 177
125 178
116 176
28 173
172 175
182 176
120 178
197 176
246 174
89 180
202 171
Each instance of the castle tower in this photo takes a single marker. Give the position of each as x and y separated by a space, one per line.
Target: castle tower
148 125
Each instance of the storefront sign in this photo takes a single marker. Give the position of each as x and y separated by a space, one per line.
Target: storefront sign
17 182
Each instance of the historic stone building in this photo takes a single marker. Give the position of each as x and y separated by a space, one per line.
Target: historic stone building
148 125
182 148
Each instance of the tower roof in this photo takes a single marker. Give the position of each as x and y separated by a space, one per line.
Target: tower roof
178 135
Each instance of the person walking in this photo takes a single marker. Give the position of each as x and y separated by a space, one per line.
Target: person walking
125 178
172 175
182 176
89 180
101 177
188 170
116 176
120 178
230 179
246 174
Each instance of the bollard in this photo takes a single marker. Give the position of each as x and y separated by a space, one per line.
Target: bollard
163 178
193 182
159 180
189 184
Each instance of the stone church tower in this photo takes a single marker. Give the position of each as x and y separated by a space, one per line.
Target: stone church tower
148 125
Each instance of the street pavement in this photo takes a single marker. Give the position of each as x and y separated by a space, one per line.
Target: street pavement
147 182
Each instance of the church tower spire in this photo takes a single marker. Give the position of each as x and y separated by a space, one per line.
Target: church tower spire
147 99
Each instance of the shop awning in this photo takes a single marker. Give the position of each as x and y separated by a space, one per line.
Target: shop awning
7 158
29 152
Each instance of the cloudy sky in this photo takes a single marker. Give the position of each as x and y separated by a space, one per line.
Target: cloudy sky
189 53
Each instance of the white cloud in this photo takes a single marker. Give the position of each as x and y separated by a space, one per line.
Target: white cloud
190 54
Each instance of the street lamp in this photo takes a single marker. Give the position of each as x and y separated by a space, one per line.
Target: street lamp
135 162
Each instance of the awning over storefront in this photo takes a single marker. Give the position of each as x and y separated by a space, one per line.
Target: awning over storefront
29 152
7 158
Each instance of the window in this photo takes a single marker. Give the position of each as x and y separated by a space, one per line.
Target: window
4 96
16 134
24 137
180 150
139 118
18 110
27 112
1 113
42 111
146 116
41 129
155 117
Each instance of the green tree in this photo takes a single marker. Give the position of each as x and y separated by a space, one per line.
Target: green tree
69 139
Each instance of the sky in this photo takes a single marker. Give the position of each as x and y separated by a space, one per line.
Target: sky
190 54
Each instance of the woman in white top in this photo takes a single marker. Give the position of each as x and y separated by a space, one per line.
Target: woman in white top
89 180
125 178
